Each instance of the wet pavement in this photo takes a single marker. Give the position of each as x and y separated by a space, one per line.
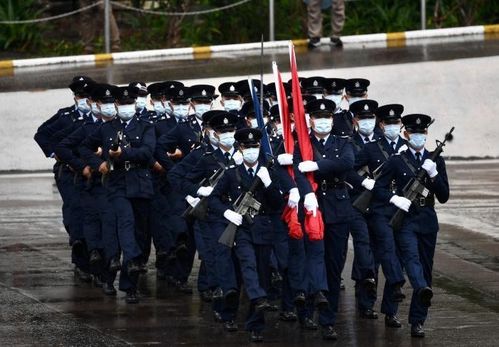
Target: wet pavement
242 63
41 303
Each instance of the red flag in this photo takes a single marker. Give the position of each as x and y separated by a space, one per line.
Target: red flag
314 225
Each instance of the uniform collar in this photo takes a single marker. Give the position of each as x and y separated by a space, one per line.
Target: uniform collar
413 151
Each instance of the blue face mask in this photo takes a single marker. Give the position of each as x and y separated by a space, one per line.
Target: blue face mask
159 107
417 140
83 105
366 126
392 131
251 155
141 102
108 110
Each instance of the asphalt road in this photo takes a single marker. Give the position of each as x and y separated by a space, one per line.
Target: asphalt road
42 304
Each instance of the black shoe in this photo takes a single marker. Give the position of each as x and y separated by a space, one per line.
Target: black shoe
82 275
255 336
142 268
342 284
230 326
273 308
276 279
206 295
368 314
300 300
131 297
336 41
425 294
217 317
78 248
288 316
181 251
133 268
370 285
308 324
320 301
97 282
217 294
231 298
392 322
108 289
262 305
417 330
314 42
161 259
184 287
95 257
398 296
115 265
328 333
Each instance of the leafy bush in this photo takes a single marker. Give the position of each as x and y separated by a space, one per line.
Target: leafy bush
19 36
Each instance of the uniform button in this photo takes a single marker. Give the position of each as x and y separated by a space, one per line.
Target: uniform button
336 149
405 174
323 193
379 160
137 137
337 156
323 155
336 179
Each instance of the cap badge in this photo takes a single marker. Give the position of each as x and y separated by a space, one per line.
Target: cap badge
108 92
418 121
125 93
323 107
334 84
357 84
172 86
250 136
316 83
391 113
180 92
226 121
203 93
232 88
81 79
366 107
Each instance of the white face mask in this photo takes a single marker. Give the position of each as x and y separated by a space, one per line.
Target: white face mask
250 155
366 126
126 112
181 111
227 139
417 141
336 98
353 99
159 107
231 105
141 102
95 109
108 110
279 130
213 138
201 109
318 96
254 122
83 105
392 131
323 126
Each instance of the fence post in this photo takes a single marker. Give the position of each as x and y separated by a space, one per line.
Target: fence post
107 34
271 21
423 14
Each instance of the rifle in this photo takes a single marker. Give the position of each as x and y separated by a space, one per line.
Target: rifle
415 188
114 147
364 199
201 209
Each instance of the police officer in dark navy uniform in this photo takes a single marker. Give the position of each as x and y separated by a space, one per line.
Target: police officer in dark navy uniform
129 182
314 86
355 90
417 238
253 242
232 101
333 159
333 90
140 89
374 155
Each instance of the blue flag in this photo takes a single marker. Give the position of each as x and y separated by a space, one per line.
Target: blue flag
266 147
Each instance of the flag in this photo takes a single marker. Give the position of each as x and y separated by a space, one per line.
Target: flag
266 147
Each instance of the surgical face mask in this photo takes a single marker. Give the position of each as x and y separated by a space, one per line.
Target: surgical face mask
336 98
181 111
95 109
231 104
159 107
213 138
272 102
353 99
254 122
318 96
141 102
108 110
201 109
126 112
279 130
323 126
83 105
417 140
366 126
227 139
250 155
391 131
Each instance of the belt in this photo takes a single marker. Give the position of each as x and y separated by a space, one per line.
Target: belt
127 165
327 185
429 201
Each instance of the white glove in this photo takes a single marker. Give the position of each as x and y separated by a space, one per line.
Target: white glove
192 201
238 158
204 191
264 175
233 217
308 166
294 198
368 183
401 202
431 167
310 203
285 159
402 148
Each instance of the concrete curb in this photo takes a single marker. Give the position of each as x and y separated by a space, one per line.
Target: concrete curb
398 39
